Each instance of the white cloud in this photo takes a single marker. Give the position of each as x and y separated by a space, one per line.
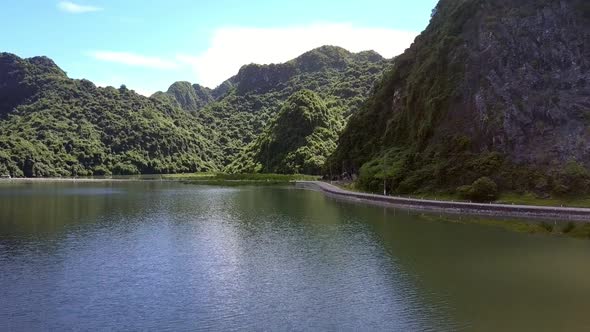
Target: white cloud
133 59
74 8
232 47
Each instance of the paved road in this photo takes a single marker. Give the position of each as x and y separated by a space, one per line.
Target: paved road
528 211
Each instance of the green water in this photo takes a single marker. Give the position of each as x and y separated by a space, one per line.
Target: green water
167 256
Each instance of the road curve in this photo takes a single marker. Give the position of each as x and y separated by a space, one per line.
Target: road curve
504 210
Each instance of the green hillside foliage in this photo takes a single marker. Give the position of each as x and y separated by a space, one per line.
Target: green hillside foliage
421 82
51 125
247 103
189 96
298 140
424 129
56 126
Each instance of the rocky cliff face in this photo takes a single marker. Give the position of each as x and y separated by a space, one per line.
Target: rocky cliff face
499 86
528 81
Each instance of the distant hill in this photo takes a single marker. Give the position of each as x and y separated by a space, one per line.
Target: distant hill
51 125
298 140
492 88
192 97
245 104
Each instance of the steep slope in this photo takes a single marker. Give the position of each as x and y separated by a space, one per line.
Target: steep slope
246 103
190 97
298 140
51 125
492 88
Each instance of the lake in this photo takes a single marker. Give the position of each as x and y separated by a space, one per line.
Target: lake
158 255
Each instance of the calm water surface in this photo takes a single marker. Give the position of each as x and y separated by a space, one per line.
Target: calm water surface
168 256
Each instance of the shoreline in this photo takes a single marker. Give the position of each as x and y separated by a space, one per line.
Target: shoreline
32 180
155 178
450 207
463 208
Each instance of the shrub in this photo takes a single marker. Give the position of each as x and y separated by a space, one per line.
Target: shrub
125 169
569 227
483 189
547 226
101 171
464 191
574 179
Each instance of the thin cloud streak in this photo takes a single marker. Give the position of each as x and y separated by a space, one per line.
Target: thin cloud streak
73 8
232 47
132 59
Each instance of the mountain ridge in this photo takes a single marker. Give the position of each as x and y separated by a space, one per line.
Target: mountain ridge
52 125
247 102
490 89
262 78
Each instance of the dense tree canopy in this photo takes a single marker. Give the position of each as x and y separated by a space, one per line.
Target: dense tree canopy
298 140
247 103
51 125
55 126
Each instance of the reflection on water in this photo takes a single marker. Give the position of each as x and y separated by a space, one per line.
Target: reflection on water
158 255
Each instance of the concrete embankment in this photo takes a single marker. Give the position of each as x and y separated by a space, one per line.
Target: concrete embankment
522 211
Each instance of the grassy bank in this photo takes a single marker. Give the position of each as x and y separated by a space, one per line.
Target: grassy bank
578 230
238 179
505 198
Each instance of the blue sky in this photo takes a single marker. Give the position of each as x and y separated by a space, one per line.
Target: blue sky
148 45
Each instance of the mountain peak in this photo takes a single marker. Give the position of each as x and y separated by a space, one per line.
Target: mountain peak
262 78
23 78
191 97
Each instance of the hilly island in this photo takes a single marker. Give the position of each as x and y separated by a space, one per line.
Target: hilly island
493 96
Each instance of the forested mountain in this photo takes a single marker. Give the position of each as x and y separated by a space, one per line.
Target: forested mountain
51 125
494 94
189 96
246 103
498 89
298 140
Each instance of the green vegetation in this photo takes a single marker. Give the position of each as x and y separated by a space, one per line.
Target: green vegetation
483 189
426 128
570 226
245 105
189 97
574 179
298 140
578 230
56 126
239 179
529 198
51 125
